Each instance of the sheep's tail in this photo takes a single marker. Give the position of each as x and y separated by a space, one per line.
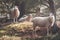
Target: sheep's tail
53 20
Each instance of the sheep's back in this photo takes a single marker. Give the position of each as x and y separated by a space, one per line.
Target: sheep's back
42 22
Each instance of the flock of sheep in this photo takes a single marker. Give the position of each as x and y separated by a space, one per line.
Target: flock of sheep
37 21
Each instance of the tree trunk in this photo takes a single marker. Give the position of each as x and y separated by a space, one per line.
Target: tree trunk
52 7
21 7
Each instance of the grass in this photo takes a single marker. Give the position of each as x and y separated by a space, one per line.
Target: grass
12 30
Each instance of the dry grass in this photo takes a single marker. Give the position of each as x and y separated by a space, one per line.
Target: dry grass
20 26
10 38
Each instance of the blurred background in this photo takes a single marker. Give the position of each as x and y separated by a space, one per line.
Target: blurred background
26 7
29 6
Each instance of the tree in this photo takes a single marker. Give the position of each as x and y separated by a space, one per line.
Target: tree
52 7
22 9
28 4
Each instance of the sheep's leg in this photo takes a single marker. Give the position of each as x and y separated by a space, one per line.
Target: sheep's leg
34 31
47 33
14 20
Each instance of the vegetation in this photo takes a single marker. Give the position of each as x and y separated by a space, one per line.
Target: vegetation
18 31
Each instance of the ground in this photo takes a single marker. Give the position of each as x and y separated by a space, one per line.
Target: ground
24 30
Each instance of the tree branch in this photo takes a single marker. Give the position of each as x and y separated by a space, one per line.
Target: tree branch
45 5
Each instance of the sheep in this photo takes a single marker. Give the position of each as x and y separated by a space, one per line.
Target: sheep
14 13
29 18
26 18
22 19
44 22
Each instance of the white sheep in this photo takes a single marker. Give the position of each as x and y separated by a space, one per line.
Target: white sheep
22 19
15 13
26 18
44 22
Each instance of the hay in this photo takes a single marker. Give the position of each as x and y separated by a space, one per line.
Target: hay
22 25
